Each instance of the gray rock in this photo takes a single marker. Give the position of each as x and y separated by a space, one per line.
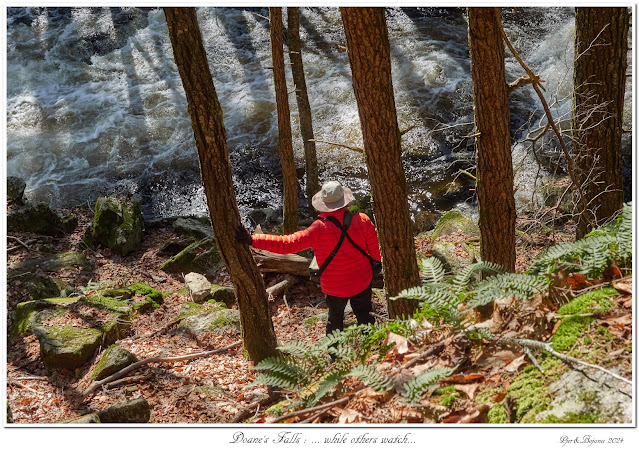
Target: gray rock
134 411
89 418
117 224
598 394
114 359
70 261
67 347
39 218
210 321
224 294
454 221
197 228
15 188
199 286
38 286
450 257
200 257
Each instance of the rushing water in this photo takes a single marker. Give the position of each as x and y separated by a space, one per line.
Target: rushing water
95 103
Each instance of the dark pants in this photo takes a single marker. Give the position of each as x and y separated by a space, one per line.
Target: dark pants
362 307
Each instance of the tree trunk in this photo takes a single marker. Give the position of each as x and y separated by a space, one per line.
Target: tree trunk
303 105
495 191
289 174
258 334
601 48
369 55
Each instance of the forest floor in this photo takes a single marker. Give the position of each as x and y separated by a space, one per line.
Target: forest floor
215 389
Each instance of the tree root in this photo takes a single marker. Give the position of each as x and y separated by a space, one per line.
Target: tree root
154 359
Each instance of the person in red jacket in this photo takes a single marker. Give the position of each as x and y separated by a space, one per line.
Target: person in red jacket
348 275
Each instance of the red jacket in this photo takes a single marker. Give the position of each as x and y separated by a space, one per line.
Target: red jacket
349 273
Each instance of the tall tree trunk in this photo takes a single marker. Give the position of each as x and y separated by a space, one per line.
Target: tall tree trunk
303 105
369 55
495 191
601 48
258 334
289 174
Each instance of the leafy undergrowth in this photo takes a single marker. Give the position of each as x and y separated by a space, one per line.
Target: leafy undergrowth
427 370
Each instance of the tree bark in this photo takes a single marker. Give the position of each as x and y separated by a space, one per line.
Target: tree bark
601 48
258 335
495 191
289 174
303 105
369 55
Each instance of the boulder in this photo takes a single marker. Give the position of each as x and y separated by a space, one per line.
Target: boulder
134 411
198 286
197 228
70 261
454 221
223 294
553 191
15 188
188 309
153 295
425 220
114 359
38 286
453 256
265 217
39 218
89 418
117 224
67 347
215 321
201 257
28 315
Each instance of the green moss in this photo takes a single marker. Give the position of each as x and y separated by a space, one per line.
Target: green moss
122 294
572 328
572 418
117 224
497 414
119 307
450 399
445 390
453 221
485 394
152 294
221 322
26 314
188 309
9 414
587 340
311 321
67 346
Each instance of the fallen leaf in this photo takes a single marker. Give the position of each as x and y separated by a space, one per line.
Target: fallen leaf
471 415
498 397
515 364
469 389
577 281
624 284
460 378
617 321
349 416
400 342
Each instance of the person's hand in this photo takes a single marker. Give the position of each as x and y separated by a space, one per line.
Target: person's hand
243 236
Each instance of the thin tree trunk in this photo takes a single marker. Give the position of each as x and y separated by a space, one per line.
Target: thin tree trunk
495 194
303 105
258 335
369 55
289 174
601 48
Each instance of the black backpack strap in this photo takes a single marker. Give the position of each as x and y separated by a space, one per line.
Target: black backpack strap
347 223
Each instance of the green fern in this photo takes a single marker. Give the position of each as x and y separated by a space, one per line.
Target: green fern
415 388
462 279
371 377
432 270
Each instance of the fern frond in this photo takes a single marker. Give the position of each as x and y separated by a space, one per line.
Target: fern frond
296 348
276 380
433 293
325 387
432 270
372 377
518 285
414 389
462 279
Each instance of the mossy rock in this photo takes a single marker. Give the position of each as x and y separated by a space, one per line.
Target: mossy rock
120 308
15 188
134 411
199 228
188 309
70 261
452 261
155 296
553 190
89 418
120 294
117 224
572 328
38 286
425 220
67 347
311 321
9 413
114 359
29 314
114 330
200 257
39 218
454 221
224 294
210 321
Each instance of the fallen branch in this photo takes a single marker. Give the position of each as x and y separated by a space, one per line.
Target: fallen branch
13 238
547 347
135 379
248 410
154 359
355 149
20 385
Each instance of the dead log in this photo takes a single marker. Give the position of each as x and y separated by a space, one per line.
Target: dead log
280 287
272 262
